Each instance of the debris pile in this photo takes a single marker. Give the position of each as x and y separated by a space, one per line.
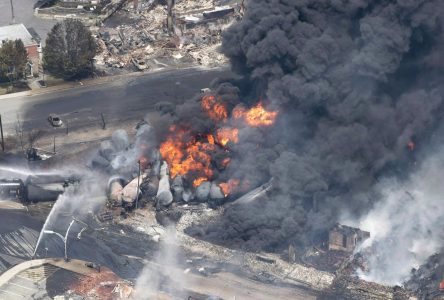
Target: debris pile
103 284
348 288
140 40
428 280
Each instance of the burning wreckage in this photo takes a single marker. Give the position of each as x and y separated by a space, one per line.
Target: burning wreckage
347 115
186 167
341 113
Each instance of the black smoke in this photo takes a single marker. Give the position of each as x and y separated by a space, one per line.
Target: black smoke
357 83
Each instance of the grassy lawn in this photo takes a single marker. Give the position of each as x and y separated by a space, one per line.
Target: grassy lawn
19 87
53 81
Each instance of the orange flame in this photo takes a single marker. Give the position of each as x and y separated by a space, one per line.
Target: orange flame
214 108
210 139
225 135
229 186
225 162
184 157
256 116
143 162
198 181
186 154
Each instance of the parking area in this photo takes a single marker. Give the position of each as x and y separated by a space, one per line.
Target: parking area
24 13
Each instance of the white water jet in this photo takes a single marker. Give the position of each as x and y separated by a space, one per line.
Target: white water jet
44 226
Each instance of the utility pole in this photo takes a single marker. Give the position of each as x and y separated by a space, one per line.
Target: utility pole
1 131
170 25
138 186
12 12
103 121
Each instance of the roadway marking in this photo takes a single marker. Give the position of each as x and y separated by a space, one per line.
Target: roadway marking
12 293
25 287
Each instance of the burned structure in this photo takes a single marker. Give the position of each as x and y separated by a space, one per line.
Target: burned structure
346 238
182 34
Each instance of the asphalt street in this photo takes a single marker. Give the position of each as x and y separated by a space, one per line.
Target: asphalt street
24 13
122 98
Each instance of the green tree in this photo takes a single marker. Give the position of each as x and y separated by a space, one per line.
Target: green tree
13 59
69 50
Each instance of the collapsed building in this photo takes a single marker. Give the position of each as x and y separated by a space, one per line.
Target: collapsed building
141 38
346 238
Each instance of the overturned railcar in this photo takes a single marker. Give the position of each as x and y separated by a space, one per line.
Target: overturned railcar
13 189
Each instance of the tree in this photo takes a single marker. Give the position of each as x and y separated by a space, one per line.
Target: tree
69 50
13 59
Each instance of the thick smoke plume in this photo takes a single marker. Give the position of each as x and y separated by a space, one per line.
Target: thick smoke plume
406 224
359 88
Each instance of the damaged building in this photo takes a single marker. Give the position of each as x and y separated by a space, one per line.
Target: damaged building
346 238
137 37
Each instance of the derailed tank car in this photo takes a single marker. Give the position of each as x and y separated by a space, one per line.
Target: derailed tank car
13 189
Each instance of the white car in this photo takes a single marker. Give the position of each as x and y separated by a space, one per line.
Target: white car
55 120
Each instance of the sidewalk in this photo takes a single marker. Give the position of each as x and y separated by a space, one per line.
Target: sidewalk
37 90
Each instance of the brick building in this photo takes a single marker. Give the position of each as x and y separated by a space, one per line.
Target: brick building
30 39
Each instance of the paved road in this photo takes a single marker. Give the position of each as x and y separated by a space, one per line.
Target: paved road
24 13
121 98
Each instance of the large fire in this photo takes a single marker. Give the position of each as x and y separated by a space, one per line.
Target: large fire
185 157
256 116
190 155
215 108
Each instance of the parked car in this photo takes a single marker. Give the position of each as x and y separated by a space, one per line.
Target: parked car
55 120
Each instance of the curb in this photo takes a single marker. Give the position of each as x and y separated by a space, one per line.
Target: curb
98 81
73 265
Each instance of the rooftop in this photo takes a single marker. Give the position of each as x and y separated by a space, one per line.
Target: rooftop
15 32
347 230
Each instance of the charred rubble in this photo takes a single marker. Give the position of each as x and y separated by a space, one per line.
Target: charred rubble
427 281
139 37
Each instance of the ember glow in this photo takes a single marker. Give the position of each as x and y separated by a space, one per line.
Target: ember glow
225 162
210 138
198 181
229 186
256 116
